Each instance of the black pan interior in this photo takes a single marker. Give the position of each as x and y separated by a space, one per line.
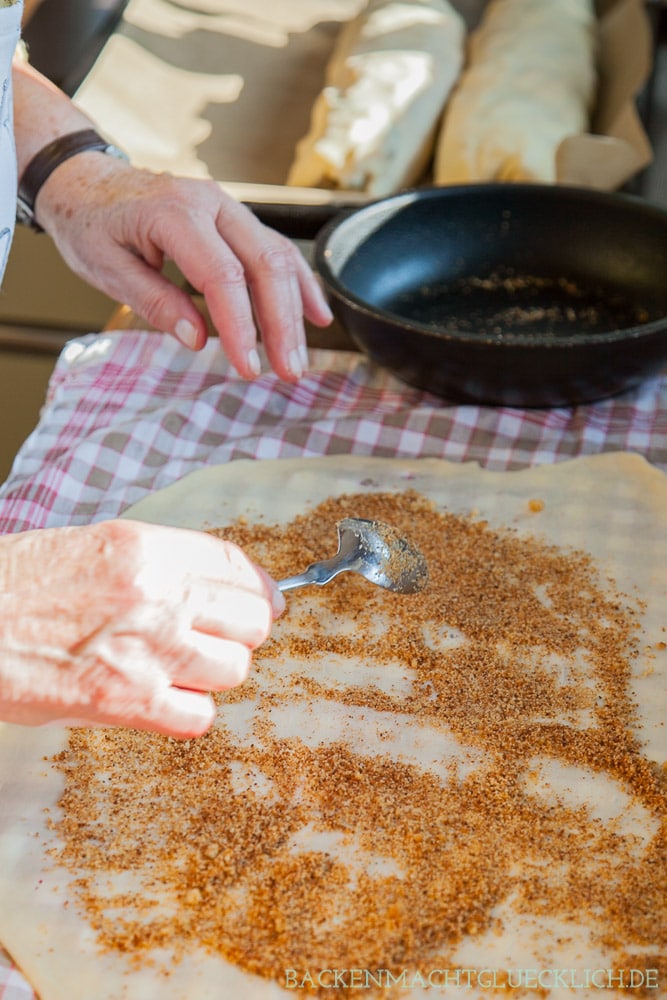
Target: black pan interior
506 261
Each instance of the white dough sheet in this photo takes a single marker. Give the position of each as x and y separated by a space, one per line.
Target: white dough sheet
520 931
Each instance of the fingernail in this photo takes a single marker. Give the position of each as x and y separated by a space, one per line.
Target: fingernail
303 354
187 333
274 594
327 309
324 302
294 362
277 602
254 364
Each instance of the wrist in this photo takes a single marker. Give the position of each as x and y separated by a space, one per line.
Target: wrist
50 158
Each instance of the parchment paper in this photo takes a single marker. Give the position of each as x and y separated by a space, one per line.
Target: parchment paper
224 89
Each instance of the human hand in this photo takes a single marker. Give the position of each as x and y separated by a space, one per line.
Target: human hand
115 226
124 623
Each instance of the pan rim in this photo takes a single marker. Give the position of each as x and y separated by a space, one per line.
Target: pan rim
322 253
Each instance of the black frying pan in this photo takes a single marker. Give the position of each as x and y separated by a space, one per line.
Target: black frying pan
527 295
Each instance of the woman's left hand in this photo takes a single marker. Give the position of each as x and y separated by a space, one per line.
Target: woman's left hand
116 225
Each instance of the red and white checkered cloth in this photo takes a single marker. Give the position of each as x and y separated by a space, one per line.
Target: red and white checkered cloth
129 413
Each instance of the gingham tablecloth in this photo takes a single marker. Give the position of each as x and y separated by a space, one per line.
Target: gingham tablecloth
129 413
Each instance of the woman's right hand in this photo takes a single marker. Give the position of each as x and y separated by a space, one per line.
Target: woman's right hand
126 623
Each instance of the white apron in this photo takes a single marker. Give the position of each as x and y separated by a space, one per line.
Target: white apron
10 30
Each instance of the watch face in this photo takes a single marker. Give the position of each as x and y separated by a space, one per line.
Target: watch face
119 154
24 213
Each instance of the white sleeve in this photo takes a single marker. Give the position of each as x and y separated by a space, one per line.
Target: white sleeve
10 29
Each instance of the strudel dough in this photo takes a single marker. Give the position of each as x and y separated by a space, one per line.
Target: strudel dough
530 82
373 125
614 507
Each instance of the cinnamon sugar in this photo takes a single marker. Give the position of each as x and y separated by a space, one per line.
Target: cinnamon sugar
330 846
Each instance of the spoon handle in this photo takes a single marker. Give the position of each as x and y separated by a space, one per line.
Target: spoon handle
318 573
294 582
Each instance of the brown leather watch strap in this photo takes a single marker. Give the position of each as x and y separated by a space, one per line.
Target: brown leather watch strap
45 162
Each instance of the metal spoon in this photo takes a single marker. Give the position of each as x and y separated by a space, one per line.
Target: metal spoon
375 551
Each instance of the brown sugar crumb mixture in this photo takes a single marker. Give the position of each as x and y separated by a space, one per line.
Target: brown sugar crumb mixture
297 850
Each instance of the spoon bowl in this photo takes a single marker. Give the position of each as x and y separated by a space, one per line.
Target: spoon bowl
375 551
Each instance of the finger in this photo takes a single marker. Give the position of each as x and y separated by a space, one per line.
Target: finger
276 297
173 560
274 277
229 612
307 300
315 305
227 297
212 664
174 712
214 269
276 597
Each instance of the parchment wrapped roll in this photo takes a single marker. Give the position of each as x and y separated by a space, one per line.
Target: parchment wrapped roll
529 83
373 126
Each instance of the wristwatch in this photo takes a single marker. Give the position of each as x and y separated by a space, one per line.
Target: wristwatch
45 162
